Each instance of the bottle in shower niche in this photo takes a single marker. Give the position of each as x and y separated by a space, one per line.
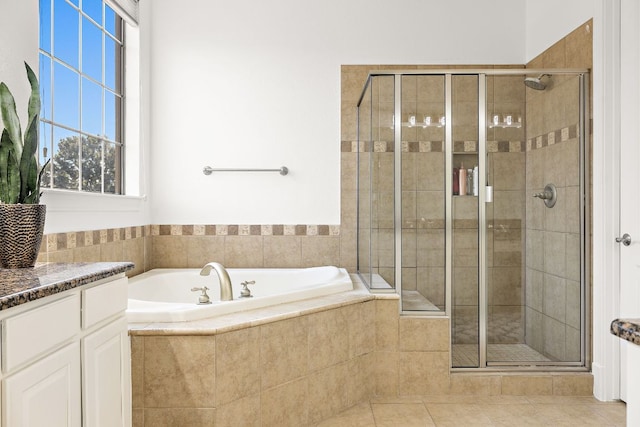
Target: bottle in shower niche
456 182
469 182
462 176
475 180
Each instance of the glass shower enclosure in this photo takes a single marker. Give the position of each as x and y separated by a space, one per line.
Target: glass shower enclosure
472 198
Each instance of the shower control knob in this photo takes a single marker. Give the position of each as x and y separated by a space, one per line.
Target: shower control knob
625 239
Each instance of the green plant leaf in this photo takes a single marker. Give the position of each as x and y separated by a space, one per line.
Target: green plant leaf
34 98
13 179
5 147
29 161
10 119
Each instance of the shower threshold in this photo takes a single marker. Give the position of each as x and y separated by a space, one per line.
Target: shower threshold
466 355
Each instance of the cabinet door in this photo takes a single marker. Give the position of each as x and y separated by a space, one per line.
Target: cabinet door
107 376
46 393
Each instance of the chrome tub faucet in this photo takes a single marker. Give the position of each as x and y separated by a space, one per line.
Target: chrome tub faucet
226 291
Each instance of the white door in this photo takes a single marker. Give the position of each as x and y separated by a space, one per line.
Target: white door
629 171
107 376
46 393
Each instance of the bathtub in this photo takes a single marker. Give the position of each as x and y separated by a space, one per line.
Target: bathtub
164 295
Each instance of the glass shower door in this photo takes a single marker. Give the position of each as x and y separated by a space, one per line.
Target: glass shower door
465 326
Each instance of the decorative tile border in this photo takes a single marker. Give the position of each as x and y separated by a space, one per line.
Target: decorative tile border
80 239
245 230
540 141
555 137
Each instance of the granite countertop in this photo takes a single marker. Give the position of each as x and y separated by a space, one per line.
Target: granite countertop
21 285
627 329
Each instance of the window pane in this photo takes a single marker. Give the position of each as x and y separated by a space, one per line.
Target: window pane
111 114
44 152
45 87
66 101
75 2
93 8
65 159
45 25
91 107
91 50
111 63
111 22
65 33
112 153
92 164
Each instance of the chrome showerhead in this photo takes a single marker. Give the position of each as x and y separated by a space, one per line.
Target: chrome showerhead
536 82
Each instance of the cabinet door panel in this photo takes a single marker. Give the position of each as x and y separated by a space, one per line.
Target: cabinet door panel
107 377
46 393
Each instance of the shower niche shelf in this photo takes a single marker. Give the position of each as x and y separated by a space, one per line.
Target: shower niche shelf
516 125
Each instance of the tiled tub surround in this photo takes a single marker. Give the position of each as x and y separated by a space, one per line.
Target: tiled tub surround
299 363
191 246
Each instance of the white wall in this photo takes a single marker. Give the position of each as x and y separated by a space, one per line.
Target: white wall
257 84
547 21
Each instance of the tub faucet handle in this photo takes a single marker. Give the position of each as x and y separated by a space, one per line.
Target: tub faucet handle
245 292
204 298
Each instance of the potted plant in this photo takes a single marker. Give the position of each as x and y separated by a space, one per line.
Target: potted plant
21 216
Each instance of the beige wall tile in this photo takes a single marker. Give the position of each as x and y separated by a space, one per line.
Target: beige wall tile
137 417
361 325
87 254
386 373
527 385
59 256
328 338
423 373
179 371
168 251
423 334
488 385
348 249
387 325
137 371
328 392
134 252
241 412
286 405
237 365
204 249
284 351
113 251
320 250
282 251
179 417
573 384
361 379
243 251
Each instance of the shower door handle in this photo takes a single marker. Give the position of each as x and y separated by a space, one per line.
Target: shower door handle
625 239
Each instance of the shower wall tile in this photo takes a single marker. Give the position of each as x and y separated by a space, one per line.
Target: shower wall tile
554 338
430 248
409 279
508 171
430 173
554 297
430 283
555 219
555 250
534 289
506 286
534 334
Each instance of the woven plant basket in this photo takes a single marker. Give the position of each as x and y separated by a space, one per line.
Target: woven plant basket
21 228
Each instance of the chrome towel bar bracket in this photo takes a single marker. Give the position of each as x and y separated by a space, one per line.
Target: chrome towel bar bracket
208 170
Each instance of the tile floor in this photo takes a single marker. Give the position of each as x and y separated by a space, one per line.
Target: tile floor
466 355
511 411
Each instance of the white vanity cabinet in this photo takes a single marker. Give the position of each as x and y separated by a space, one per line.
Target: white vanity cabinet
66 359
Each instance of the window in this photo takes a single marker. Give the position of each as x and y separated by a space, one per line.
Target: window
81 88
